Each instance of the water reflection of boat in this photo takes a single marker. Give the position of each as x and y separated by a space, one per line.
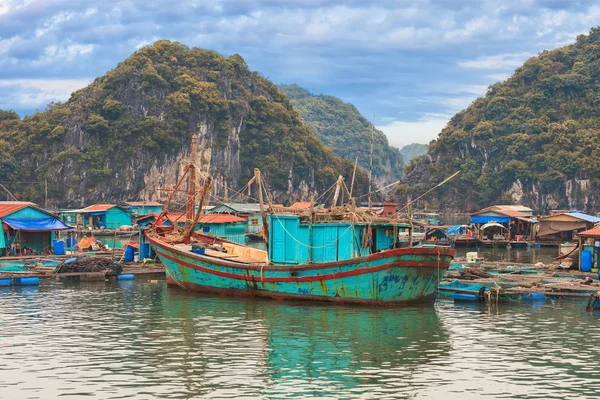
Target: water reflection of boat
330 346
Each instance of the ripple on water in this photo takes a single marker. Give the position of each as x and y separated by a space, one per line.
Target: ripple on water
144 340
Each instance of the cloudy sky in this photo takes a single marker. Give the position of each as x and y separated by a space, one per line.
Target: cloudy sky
411 64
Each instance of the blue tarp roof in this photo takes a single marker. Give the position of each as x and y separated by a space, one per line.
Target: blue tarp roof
585 217
458 229
36 225
484 219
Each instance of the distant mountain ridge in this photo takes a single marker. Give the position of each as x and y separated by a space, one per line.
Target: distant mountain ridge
340 126
412 151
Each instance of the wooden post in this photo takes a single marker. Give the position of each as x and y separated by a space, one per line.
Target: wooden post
580 250
371 163
353 175
191 196
338 187
262 206
410 219
191 225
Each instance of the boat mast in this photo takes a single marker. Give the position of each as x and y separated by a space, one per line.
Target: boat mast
353 175
191 195
371 163
258 180
338 187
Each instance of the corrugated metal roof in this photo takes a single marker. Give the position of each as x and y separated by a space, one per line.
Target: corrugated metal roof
242 207
99 207
144 203
9 207
585 217
207 218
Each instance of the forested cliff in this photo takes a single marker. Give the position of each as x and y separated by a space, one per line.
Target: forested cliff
533 139
340 126
128 133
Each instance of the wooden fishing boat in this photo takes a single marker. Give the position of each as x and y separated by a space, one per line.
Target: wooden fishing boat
346 257
393 276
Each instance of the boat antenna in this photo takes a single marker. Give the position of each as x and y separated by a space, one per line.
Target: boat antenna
353 175
371 163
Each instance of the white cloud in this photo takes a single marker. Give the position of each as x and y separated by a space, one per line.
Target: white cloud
37 93
400 133
500 61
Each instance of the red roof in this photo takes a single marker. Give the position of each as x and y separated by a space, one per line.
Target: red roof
207 218
9 207
508 213
99 207
595 232
144 203
301 204
513 213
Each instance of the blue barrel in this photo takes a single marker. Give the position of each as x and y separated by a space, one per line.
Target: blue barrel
5 282
585 264
27 281
466 297
59 247
145 251
206 228
129 253
200 251
125 277
534 296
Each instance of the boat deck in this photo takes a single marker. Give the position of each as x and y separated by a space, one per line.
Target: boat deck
219 255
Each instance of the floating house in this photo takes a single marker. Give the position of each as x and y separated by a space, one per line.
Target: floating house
225 226
25 227
98 216
249 212
563 227
493 223
141 208
589 249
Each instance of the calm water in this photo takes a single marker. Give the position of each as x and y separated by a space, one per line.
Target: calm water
143 340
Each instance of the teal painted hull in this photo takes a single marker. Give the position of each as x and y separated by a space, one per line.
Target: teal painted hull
388 277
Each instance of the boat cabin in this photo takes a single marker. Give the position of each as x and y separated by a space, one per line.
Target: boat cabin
294 240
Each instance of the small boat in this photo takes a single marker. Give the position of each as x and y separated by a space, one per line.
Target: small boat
343 257
463 291
463 236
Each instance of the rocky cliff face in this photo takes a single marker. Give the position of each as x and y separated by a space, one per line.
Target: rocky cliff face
128 133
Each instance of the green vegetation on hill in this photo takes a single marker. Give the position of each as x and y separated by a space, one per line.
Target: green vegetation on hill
531 139
340 126
107 139
412 151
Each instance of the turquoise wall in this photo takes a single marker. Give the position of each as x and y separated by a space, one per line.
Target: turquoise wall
116 217
28 213
235 232
289 242
145 210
